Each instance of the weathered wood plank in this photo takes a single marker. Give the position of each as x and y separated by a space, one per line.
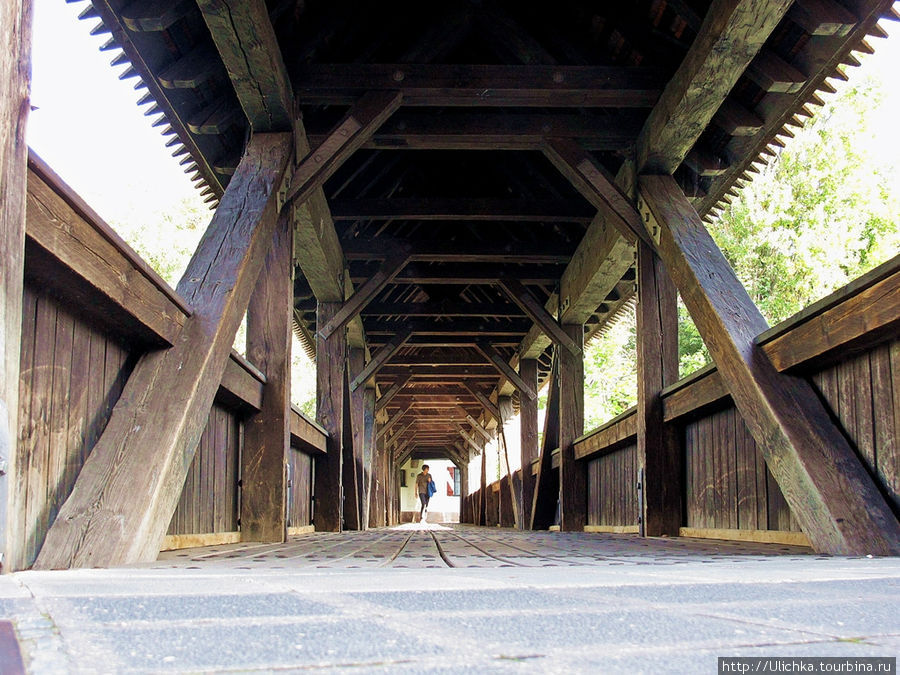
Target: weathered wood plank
349 466
837 503
267 433
572 473
15 82
382 356
732 33
658 451
111 517
504 368
246 42
394 389
331 356
533 308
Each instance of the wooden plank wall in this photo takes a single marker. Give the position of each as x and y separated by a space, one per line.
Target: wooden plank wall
209 499
727 483
71 376
863 392
612 492
300 491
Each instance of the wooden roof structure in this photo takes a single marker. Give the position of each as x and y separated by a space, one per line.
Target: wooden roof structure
471 182
466 191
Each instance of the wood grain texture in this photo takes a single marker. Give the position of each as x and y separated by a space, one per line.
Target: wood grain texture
355 363
830 493
300 490
110 517
732 33
267 433
572 473
659 452
331 356
15 84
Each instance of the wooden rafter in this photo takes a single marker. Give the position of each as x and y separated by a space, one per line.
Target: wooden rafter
381 358
533 308
515 210
504 369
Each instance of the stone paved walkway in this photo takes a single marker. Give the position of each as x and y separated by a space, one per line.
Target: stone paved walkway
461 600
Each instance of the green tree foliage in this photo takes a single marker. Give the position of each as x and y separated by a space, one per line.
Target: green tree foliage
610 385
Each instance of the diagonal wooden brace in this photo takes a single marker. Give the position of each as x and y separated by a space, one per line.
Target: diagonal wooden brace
130 484
517 292
505 369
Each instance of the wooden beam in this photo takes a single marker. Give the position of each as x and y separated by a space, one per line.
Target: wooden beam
367 248
592 181
267 433
528 436
248 47
830 493
732 34
445 309
658 447
15 85
476 425
486 130
368 113
504 369
331 357
349 466
358 403
511 327
532 307
485 402
306 435
395 388
481 86
391 422
822 17
365 294
381 357
572 473
468 210
470 440
137 468
546 481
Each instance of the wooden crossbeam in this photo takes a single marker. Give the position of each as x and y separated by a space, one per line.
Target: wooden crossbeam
475 209
365 294
366 248
453 130
476 425
395 388
470 440
428 371
511 327
391 422
592 180
248 47
485 402
533 308
126 492
482 86
380 359
732 33
445 309
835 500
504 369
368 113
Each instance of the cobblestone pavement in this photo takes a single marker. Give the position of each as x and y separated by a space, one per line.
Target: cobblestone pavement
462 599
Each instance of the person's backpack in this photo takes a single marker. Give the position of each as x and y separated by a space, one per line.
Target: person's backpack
431 488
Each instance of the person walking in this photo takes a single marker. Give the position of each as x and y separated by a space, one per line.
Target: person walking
425 488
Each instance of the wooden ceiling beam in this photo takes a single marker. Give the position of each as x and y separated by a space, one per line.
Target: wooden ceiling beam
387 426
453 328
732 34
541 253
381 357
505 369
445 309
544 320
395 388
477 273
473 209
485 402
482 85
480 371
246 42
454 130
476 425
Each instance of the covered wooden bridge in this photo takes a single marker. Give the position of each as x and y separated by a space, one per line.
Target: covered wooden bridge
444 201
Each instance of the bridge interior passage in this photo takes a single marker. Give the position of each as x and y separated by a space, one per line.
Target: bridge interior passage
445 203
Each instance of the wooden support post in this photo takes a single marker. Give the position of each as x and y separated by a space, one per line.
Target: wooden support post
823 480
480 514
572 473
506 414
546 485
125 495
15 80
330 359
369 455
349 476
356 363
528 431
382 357
267 433
659 451
504 368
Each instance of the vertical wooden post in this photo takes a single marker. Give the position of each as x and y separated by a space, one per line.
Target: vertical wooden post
515 491
330 382
546 482
15 83
267 434
659 451
528 431
464 493
349 482
356 452
369 456
572 474
480 516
